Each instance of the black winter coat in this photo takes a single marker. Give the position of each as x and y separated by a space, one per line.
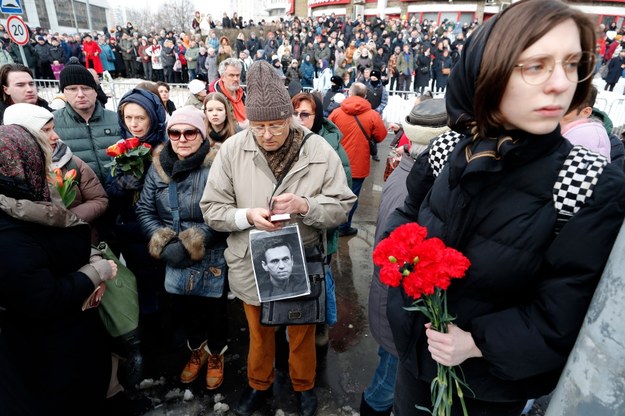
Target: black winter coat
526 293
59 351
615 70
154 208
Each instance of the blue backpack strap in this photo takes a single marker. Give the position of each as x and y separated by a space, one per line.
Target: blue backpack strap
577 178
441 148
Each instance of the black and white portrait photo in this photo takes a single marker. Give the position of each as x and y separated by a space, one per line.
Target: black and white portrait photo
279 264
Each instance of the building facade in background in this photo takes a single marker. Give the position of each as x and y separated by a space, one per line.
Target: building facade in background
606 11
64 16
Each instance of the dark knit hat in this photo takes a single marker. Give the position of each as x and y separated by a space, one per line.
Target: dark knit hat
76 75
376 73
430 113
267 98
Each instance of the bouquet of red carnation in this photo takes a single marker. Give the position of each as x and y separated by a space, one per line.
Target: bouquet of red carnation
424 268
65 184
130 156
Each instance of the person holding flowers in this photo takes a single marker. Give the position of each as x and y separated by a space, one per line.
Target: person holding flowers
193 252
498 194
142 119
90 201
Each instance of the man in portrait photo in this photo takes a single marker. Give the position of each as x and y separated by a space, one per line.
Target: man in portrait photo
284 278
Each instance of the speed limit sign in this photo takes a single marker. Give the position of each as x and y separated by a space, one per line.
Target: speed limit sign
18 31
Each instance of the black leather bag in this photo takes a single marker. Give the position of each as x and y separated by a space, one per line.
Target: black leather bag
302 310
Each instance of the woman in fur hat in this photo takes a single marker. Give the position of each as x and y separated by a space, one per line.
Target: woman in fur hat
193 252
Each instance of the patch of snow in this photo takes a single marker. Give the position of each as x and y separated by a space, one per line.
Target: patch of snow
221 408
187 395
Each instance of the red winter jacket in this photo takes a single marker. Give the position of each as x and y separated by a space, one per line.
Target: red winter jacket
354 141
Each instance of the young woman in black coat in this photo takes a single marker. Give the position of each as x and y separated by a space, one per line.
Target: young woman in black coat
522 302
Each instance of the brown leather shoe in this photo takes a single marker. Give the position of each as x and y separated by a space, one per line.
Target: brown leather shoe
215 369
199 357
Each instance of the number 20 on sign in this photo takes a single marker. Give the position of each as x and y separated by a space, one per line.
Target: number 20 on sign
18 31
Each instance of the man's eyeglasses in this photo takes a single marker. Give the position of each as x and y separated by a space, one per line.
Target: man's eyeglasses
189 135
537 70
302 115
273 129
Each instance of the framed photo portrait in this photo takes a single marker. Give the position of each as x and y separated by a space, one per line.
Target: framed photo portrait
279 264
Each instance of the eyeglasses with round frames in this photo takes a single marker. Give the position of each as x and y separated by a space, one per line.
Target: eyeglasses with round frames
537 70
189 135
273 129
302 115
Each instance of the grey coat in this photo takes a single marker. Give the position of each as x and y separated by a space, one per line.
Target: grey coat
393 195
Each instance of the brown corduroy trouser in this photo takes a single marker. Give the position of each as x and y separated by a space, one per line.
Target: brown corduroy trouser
262 352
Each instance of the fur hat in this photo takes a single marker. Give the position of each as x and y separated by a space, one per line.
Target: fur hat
267 98
430 113
426 120
188 115
337 80
27 115
196 86
76 75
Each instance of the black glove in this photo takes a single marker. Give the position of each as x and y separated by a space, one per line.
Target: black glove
175 255
128 182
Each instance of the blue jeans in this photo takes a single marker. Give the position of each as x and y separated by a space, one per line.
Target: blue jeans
379 394
356 187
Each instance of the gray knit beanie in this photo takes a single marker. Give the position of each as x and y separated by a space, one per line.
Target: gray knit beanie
267 98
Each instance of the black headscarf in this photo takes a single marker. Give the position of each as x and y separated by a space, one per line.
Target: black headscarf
461 82
316 127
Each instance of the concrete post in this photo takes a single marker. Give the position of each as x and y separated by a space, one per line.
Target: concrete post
593 380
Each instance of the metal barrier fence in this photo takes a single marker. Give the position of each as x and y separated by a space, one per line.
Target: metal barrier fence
399 102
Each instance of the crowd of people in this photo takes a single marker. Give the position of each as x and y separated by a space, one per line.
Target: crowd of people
480 169
409 54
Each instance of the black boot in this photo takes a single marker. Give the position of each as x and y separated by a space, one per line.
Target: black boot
251 400
366 410
306 402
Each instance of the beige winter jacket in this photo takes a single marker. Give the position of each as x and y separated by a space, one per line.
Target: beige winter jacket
240 178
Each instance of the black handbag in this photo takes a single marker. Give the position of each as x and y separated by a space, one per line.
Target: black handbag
302 310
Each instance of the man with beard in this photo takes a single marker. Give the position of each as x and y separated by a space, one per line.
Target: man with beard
229 84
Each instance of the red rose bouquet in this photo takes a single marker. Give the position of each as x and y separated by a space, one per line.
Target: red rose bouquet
424 268
129 156
65 184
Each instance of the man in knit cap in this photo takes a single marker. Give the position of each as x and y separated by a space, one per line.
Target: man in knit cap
427 120
84 124
246 185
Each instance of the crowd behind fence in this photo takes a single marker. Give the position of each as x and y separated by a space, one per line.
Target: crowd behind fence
399 102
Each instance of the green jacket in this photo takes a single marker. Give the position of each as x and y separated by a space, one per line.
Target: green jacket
191 55
333 136
89 141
